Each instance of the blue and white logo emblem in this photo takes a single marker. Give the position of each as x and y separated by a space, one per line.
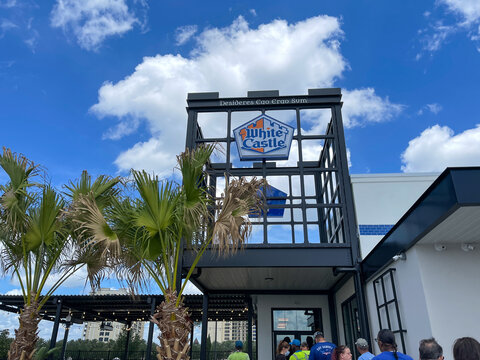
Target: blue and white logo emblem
263 138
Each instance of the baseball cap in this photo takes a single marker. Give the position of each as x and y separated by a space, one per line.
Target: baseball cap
238 344
317 334
295 342
362 343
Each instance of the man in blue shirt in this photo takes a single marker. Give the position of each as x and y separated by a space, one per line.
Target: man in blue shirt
362 348
322 350
388 347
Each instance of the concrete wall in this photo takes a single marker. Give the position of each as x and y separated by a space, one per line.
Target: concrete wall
382 199
412 303
265 303
452 288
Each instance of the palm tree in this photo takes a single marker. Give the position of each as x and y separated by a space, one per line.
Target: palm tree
154 227
38 248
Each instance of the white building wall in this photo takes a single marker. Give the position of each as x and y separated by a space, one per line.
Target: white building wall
265 303
411 300
452 288
345 292
382 199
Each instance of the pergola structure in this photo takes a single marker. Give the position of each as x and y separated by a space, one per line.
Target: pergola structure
78 309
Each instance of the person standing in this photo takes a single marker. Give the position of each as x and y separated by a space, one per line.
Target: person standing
341 352
322 350
301 352
362 348
388 347
429 349
296 350
282 350
305 349
466 348
238 354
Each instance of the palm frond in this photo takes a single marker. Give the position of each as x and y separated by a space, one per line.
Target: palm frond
43 221
232 226
94 229
103 189
16 200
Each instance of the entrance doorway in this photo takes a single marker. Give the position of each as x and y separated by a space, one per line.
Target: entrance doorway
295 323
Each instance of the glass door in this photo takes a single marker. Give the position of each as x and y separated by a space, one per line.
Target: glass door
295 324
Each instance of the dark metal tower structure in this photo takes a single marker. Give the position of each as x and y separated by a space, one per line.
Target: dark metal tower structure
316 239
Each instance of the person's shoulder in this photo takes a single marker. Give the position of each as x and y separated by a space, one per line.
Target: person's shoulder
380 356
366 356
404 356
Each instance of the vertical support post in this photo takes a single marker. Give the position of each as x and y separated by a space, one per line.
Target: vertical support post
249 327
191 339
150 329
215 341
127 340
345 186
203 345
362 306
58 313
333 316
65 339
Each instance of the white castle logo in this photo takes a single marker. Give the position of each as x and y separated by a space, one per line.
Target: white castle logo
264 137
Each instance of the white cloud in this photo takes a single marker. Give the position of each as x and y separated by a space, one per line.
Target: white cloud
433 108
92 21
75 281
6 25
467 14
253 12
8 3
469 10
185 33
438 147
434 37
14 292
293 58
364 106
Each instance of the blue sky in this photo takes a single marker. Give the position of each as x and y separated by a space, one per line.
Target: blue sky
101 85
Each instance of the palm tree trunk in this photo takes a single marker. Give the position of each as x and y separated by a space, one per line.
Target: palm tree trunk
175 326
26 336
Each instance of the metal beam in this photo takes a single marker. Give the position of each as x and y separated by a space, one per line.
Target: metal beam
150 329
65 339
127 341
269 256
333 317
203 345
249 328
53 340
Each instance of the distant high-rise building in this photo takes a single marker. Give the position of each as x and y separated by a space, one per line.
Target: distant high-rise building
230 331
109 330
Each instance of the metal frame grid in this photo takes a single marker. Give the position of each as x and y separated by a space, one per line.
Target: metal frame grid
322 217
387 301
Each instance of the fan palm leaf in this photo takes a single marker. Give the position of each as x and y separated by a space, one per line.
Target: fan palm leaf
39 238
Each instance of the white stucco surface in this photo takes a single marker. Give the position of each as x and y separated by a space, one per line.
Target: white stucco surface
411 300
265 303
451 281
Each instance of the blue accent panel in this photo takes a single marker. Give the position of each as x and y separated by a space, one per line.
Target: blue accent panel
374 229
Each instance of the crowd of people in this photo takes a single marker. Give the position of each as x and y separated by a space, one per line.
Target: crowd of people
317 348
